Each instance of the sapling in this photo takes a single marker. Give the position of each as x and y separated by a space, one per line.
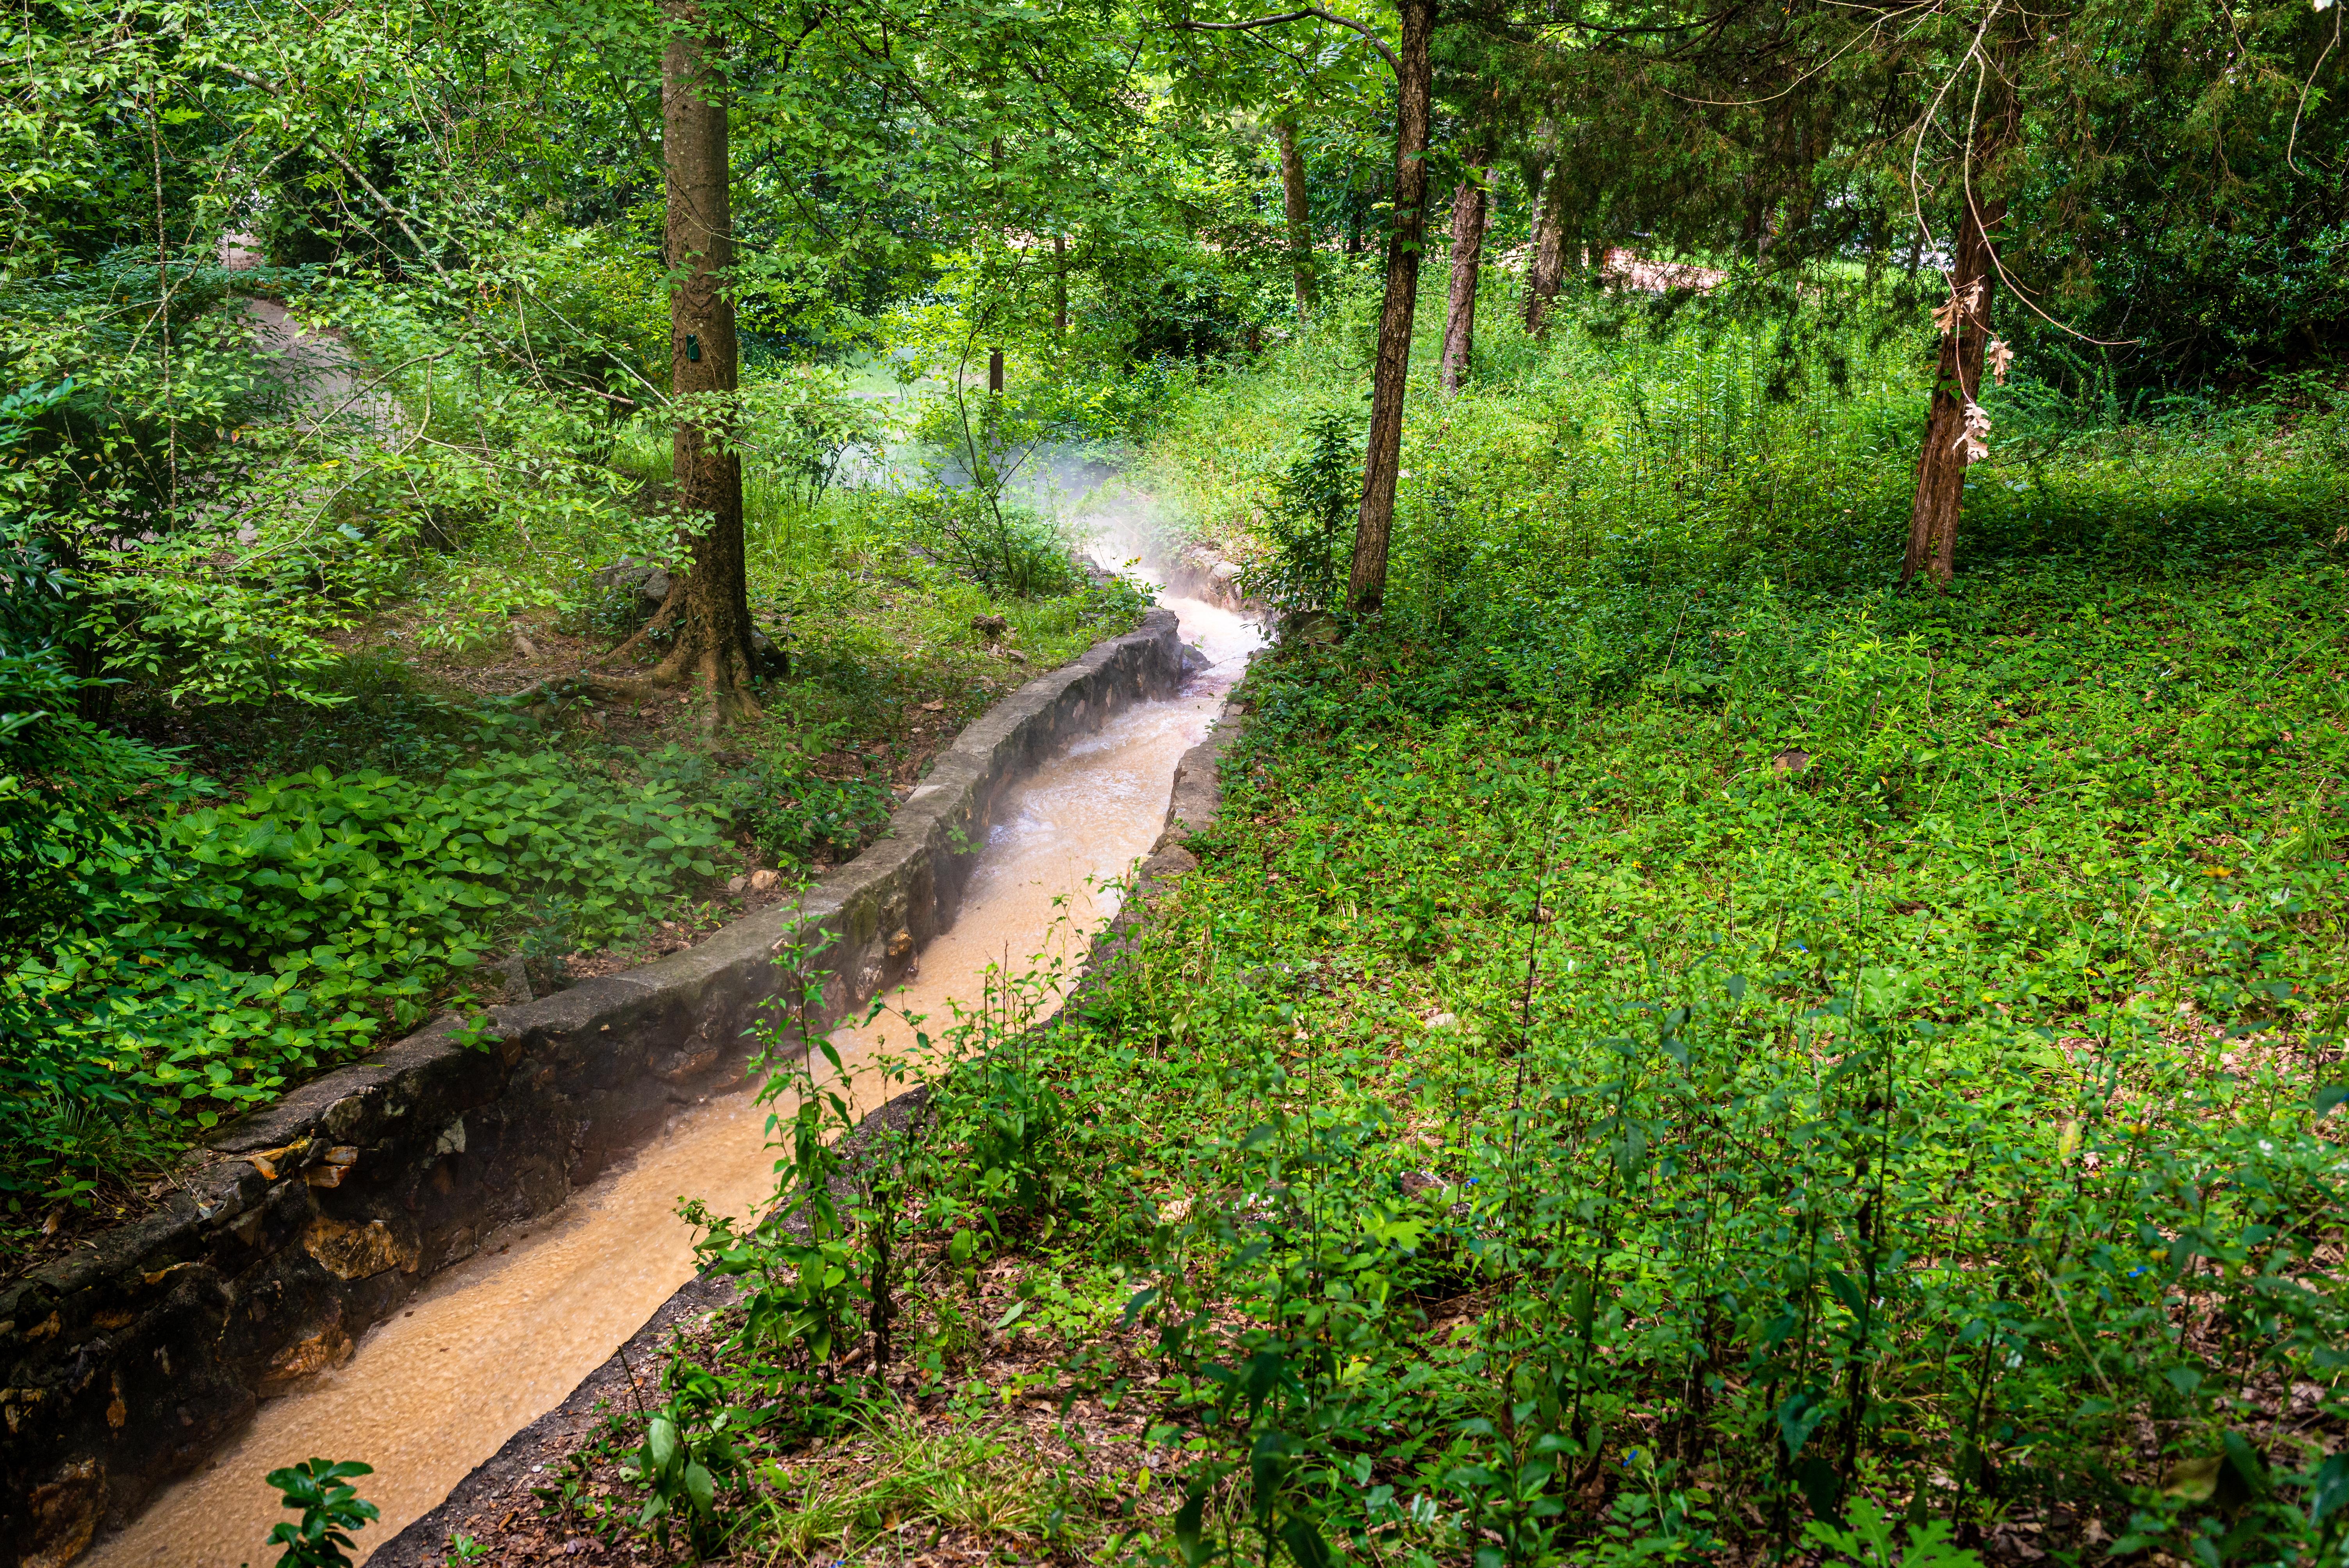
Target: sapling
330 1509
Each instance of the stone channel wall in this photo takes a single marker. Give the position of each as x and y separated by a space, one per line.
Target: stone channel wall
632 1373
128 1361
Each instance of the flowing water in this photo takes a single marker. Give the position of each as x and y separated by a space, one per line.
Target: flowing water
489 1346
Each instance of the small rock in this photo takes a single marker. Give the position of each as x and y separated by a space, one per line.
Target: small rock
736 884
354 1252
513 978
1442 1021
1015 656
645 584
1310 626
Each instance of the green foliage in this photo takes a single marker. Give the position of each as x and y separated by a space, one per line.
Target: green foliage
330 1507
1004 548
804 423
1675 1048
687 1453
1307 530
1676 1110
217 952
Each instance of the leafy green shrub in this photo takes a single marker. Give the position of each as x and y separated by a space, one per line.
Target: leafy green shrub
1004 548
688 1454
218 951
331 1509
1308 531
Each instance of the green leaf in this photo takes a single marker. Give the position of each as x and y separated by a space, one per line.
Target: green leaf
702 1490
2331 1491
1187 1536
2192 1481
1304 1541
1799 1417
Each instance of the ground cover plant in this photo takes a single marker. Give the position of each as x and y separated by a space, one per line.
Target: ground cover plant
1713 1058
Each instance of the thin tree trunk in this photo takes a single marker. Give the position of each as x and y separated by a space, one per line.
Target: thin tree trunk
1367 583
1467 260
995 355
713 627
1548 271
1958 376
1300 222
1957 381
1060 286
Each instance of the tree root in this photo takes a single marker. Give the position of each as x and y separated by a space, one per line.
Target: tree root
661 617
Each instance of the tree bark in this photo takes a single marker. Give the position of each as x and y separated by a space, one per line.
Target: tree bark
713 625
1060 286
995 355
1366 588
1548 271
1957 381
1300 221
1467 260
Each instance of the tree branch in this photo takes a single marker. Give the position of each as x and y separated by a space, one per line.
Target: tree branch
1376 42
344 164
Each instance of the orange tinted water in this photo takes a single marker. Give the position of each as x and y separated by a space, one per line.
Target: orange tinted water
491 1345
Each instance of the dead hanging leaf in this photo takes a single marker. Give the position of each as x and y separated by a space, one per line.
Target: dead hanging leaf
2000 359
1973 441
1952 312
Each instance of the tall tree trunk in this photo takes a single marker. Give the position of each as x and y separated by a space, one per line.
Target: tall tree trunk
1060 286
1548 271
713 623
1957 381
1467 260
995 355
1367 583
1300 221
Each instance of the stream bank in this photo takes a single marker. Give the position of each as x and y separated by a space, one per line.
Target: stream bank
495 1506
134 1359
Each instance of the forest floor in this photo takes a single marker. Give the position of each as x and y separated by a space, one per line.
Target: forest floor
1674 1051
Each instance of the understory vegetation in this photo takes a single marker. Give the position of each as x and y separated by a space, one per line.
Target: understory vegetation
210 890
1674 1051
1768 983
